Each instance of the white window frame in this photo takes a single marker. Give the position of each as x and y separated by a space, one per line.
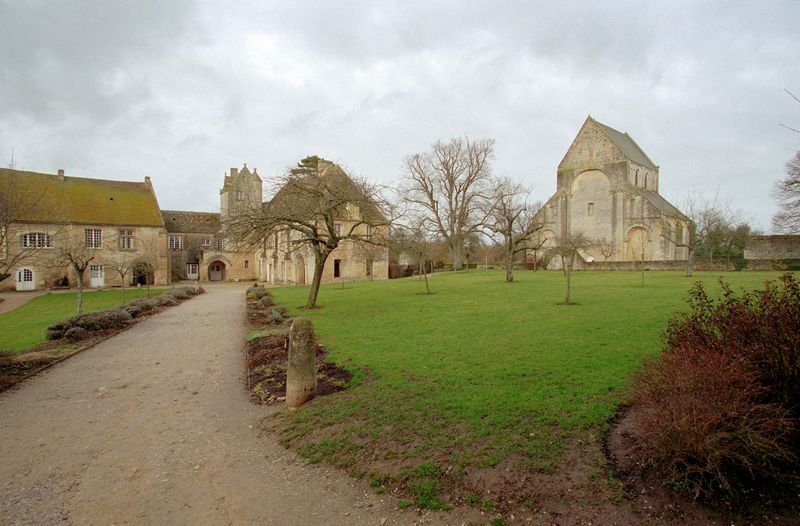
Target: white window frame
239 195
175 243
220 244
192 268
126 239
96 271
93 237
35 240
205 242
337 229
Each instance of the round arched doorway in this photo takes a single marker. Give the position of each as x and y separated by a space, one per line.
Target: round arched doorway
216 271
300 270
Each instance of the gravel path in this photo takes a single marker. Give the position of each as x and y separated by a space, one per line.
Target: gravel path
154 426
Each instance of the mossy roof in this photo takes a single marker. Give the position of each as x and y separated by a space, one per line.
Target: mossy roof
179 221
83 201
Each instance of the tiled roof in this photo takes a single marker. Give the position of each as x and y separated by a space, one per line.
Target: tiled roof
59 199
628 146
191 222
662 204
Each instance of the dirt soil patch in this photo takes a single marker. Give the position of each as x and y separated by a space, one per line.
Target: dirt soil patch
267 354
779 506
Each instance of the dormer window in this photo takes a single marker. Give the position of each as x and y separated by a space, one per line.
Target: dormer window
239 195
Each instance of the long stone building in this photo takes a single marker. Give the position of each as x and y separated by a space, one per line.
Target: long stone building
608 191
119 225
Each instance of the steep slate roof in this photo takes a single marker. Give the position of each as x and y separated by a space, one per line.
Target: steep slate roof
191 222
628 146
662 204
84 201
287 202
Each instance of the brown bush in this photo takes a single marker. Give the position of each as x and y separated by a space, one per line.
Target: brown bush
719 408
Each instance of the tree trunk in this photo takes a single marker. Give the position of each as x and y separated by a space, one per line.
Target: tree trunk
123 290
319 260
568 274
79 299
455 253
427 287
421 270
642 268
509 265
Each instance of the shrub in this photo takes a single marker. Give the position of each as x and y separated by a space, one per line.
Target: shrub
166 300
179 294
145 304
105 319
74 334
133 310
256 292
716 412
266 300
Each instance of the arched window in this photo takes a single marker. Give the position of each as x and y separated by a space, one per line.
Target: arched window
36 240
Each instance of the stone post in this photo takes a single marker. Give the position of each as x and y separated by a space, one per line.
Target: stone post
301 374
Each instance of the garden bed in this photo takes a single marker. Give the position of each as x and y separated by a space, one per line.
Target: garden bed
267 353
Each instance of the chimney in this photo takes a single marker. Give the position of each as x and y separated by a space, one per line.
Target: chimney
61 173
234 172
147 180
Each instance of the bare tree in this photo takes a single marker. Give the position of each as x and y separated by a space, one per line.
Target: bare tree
607 248
536 243
787 193
640 245
734 239
705 215
512 218
450 187
414 241
76 250
567 249
317 206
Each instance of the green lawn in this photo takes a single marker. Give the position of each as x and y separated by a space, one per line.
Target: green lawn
26 326
481 371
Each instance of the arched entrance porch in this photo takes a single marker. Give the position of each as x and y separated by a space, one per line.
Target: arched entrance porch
216 271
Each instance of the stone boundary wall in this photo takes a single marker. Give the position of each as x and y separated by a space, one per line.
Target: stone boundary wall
776 247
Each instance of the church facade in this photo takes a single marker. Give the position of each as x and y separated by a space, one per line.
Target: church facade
608 191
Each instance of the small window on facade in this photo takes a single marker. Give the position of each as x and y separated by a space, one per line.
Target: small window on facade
191 270
246 264
220 244
239 195
35 240
369 267
337 229
369 231
126 239
206 242
337 268
93 237
590 209
176 242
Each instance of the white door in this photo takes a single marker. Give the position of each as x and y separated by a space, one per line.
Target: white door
25 279
96 276
215 272
191 270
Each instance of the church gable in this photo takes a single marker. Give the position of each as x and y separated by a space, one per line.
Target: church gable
591 147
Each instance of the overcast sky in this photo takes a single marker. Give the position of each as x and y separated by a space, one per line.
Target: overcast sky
182 91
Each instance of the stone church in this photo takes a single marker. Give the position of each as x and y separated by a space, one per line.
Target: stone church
608 190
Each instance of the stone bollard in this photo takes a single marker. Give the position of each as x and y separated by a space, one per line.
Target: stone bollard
301 374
